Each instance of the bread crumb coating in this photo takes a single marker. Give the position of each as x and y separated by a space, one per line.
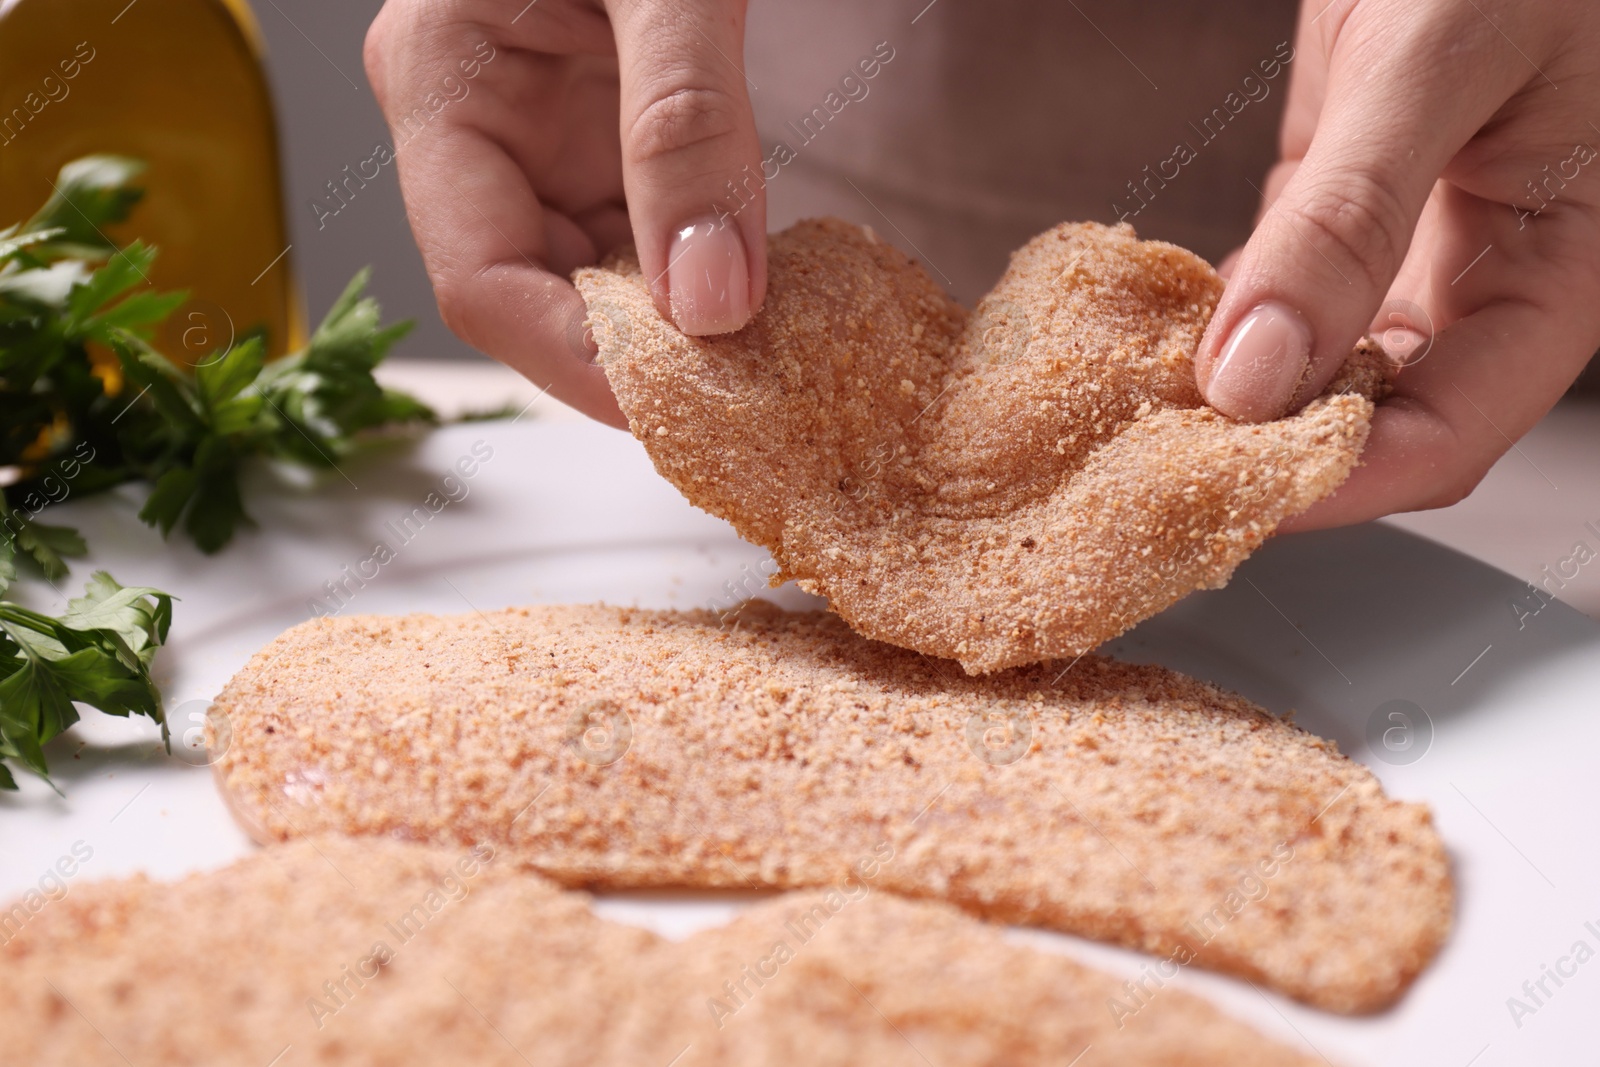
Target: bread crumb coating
366 953
1018 484
622 748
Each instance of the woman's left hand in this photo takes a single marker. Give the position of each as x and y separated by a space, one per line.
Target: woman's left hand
1439 187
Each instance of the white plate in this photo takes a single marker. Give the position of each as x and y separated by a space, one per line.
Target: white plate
1504 742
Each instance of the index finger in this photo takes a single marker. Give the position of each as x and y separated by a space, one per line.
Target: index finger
493 252
1318 265
487 242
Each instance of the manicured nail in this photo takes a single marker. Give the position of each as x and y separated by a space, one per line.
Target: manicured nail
1260 368
708 280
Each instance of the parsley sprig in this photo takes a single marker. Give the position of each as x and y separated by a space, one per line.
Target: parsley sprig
197 428
87 402
98 652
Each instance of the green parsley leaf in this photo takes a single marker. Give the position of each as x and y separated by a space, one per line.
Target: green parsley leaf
184 432
98 653
89 194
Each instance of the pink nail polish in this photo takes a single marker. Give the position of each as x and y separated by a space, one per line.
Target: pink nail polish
1256 374
708 278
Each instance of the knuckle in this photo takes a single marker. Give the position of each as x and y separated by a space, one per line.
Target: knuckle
1359 223
374 51
681 119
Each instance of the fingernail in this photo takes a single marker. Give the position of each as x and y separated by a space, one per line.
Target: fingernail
1261 366
708 280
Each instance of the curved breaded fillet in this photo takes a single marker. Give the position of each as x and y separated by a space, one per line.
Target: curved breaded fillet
1018 485
626 748
379 953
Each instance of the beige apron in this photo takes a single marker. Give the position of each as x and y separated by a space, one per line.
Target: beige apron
994 119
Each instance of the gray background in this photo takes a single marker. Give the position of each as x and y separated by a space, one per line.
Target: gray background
326 123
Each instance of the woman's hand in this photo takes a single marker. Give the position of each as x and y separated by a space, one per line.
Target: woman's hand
1440 187
523 133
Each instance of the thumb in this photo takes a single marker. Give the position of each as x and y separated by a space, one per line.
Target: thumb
691 160
1318 266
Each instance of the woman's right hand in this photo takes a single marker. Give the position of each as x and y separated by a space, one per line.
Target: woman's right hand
534 137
